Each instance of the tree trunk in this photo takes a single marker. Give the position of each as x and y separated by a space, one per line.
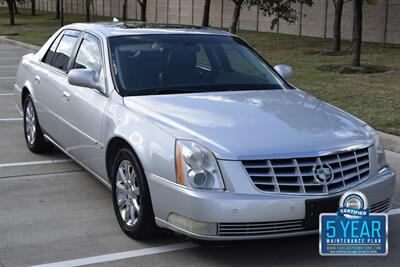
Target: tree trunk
236 15
337 26
143 6
15 8
87 10
357 20
10 4
206 13
33 7
124 11
58 9
62 12
93 12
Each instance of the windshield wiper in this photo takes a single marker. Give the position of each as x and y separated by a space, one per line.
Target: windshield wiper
165 91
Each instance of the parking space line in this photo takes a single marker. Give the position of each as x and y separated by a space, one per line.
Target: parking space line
5 78
12 52
40 175
11 119
30 163
19 110
14 66
394 211
10 58
121 255
6 94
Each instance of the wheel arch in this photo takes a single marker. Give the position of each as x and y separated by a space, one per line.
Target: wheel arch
27 89
112 148
24 93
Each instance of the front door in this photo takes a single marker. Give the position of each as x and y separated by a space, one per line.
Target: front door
84 107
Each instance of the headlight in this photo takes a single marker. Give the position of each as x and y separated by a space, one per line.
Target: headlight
196 166
380 152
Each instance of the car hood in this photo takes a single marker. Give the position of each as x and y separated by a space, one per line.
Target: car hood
253 124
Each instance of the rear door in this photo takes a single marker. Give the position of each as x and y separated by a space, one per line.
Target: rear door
85 107
50 80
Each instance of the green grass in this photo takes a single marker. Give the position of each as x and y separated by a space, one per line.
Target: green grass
375 98
36 29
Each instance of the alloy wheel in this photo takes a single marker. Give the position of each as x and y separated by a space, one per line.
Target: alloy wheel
127 193
30 123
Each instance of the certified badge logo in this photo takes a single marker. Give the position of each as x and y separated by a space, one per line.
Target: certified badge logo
353 230
353 205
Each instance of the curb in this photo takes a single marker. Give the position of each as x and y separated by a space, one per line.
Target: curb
390 142
4 39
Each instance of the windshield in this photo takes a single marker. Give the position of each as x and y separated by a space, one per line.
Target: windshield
182 63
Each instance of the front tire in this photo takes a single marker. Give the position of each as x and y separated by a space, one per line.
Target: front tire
131 196
33 133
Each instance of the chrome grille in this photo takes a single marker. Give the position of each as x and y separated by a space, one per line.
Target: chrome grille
296 175
382 206
260 228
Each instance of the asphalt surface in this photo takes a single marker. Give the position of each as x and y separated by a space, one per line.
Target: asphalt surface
53 211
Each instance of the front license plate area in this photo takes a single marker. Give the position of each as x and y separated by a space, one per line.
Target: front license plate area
314 207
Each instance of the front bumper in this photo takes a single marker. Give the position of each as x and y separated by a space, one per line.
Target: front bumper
250 210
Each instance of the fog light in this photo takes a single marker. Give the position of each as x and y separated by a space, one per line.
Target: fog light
201 228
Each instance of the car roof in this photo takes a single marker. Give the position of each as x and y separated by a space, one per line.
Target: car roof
109 29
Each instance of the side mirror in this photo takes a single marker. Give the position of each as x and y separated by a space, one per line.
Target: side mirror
284 70
85 78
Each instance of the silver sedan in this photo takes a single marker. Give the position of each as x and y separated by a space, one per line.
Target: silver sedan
193 131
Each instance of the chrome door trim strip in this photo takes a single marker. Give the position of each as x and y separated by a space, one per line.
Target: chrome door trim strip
102 180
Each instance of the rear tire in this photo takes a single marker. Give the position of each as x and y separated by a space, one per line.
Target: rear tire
33 133
131 196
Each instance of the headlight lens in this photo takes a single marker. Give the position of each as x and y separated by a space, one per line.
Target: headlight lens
380 151
196 166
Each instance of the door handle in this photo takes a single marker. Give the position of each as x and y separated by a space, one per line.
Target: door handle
66 96
37 79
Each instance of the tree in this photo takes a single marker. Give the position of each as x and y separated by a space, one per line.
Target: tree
337 24
143 6
15 8
357 30
33 7
236 15
280 9
277 9
357 34
58 9
10 5
87 7
206 13
125 11
62 12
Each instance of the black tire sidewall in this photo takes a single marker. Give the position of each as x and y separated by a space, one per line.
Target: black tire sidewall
146 216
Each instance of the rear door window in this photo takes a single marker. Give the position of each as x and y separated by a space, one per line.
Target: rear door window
48 58
64 51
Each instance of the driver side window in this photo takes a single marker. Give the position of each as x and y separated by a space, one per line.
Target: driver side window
89 56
